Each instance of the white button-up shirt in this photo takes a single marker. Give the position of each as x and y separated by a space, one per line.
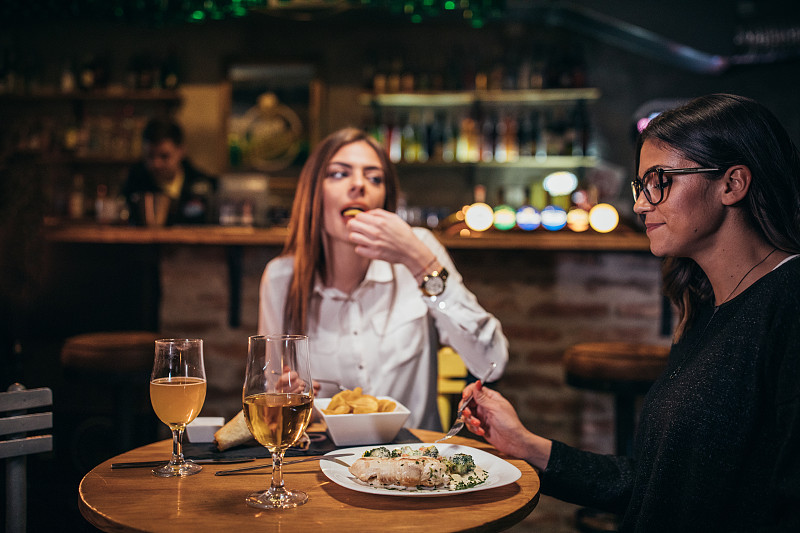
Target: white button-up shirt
385 335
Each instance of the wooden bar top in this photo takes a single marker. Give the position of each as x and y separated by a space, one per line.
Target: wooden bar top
134 500
622 240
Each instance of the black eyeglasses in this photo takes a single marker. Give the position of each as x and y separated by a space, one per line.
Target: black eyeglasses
655 182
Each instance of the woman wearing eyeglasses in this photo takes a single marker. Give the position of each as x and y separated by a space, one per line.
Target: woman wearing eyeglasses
718 442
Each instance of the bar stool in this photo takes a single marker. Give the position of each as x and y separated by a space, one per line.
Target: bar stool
120 361
626 370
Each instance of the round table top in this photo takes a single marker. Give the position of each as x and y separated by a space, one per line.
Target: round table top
135 500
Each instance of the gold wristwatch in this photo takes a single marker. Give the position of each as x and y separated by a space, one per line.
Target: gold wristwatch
433 283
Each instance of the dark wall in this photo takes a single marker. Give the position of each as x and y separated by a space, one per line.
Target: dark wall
629 71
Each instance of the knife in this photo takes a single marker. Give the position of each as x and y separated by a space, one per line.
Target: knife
331 457
140 464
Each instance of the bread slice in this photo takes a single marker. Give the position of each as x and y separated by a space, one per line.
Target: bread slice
234 433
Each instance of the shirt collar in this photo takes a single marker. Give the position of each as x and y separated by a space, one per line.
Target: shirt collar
377 272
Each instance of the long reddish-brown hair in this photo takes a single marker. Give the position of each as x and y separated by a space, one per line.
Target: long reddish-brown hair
306 224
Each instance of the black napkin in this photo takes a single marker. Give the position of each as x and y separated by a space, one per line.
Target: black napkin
320 445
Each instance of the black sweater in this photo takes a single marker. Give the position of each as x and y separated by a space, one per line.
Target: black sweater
718 443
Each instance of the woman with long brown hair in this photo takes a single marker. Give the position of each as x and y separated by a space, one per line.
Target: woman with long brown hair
718 442
375 296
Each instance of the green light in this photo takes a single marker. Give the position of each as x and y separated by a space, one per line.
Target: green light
416 19
450 5
505 217
198 15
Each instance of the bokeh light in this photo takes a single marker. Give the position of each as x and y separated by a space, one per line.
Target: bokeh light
603 218
528 218
560 183
479 217
578 219
553 218
505 217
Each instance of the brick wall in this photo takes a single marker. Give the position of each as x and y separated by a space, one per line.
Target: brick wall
546 302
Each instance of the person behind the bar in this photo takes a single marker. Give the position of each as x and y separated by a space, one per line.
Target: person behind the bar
718 442
375 296
166 169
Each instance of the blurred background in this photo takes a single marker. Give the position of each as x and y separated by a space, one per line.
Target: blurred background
475 100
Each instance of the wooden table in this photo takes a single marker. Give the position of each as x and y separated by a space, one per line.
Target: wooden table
135 500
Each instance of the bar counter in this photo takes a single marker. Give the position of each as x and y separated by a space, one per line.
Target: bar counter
234 239
623 240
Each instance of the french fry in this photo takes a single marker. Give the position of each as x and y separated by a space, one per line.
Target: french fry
356 402
386 406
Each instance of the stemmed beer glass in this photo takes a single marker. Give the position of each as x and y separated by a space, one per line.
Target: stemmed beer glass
177 392
277 399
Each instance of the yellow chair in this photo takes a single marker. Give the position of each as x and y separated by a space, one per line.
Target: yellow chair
452 380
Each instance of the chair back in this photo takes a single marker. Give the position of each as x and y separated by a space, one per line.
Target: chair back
16 445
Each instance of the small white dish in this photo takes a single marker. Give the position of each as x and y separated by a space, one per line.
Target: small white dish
202 428
363 429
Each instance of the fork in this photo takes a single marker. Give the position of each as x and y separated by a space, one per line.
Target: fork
458 425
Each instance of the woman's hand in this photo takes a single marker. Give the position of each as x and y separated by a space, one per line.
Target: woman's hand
490 415
379 234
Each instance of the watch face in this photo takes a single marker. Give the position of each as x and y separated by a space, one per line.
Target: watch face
434 286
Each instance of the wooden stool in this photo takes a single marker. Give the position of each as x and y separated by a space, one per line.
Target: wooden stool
625 370
122 360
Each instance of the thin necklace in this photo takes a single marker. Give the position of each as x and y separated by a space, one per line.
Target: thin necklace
747 274
714 313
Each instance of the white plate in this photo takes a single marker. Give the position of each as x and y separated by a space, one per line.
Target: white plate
500 472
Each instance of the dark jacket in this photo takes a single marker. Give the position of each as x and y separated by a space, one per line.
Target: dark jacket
196 202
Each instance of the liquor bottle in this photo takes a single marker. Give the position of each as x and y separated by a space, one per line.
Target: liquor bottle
541 137
580 123
410 142
449 140
76 205
501 141
170 76
466 133
526 136
435 135
393 79
395 143
422 135
538 196
511 138
68 82
487 138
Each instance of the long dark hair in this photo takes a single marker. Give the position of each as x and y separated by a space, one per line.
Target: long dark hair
305 226
720 131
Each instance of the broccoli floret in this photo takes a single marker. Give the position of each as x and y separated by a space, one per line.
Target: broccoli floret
405 450
429 451
460 463
383 451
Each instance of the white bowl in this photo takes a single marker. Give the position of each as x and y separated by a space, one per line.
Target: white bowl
202 428
363 429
